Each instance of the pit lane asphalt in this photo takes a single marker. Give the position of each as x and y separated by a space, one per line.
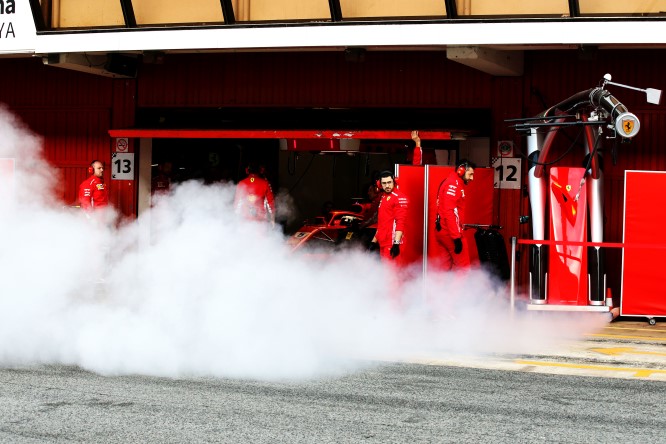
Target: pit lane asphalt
390 403
387 402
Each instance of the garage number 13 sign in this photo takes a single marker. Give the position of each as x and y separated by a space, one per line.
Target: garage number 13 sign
122 166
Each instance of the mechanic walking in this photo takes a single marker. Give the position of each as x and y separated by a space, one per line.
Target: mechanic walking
254 197
452 249
391 219
93 194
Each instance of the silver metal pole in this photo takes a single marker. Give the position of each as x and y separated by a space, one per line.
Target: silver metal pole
514 241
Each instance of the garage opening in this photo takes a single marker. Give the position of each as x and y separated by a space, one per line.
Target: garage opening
314 159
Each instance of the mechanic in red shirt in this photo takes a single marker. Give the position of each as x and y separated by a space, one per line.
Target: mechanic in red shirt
254 197
391 217
452 250
370 204
93 194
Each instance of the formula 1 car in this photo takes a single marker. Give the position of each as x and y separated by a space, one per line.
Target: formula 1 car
339 229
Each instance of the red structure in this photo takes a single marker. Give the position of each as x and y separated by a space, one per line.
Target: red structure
567 263
566 271
643 291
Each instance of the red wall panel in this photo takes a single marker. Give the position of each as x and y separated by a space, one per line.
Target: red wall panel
72 140
73 112
384 79
507 103
410 179
29 83
643 291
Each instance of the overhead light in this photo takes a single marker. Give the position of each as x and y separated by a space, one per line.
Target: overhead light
51 59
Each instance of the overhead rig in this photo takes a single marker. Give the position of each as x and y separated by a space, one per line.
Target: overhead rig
593 107
564 270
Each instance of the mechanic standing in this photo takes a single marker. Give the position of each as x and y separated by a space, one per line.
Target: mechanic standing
370 205
452 249
254 197
93 194
391 219
94 198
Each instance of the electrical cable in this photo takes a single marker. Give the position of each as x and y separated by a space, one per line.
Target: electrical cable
312 157
589 162
291 163
568 150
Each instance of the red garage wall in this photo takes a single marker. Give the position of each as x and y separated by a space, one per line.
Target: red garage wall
72 112
384 79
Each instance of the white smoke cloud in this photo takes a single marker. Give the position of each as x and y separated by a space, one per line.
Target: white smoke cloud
33 178
191 290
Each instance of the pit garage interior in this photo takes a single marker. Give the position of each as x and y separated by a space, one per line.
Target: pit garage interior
308 172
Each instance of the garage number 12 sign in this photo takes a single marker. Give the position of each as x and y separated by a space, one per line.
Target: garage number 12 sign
507 173
122 166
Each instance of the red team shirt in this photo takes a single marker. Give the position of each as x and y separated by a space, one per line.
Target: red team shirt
391 217
451 200
451 209
93 193
254 199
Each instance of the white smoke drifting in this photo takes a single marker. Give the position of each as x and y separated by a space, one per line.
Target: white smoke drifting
208 294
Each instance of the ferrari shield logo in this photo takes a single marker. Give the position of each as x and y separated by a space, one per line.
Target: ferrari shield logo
627 125
568 187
